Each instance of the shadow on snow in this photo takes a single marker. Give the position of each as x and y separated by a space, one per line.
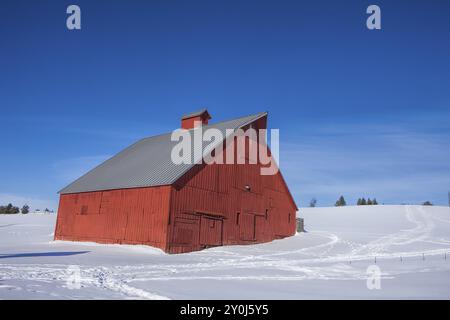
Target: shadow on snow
42 254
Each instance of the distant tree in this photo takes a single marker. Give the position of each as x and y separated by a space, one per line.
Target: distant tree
340 202
374 202
46 210
358 203
369 202
363 202
427 203
25 209
9 209
313 202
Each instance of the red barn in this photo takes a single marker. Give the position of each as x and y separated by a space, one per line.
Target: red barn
140 196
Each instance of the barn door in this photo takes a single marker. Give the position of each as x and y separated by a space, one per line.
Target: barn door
259 227
247 227
210 231
186 230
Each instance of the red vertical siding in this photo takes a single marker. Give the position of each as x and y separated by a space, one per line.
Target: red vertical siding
134 216
219 190
210 231
258 214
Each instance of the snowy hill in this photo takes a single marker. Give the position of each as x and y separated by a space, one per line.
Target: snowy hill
409 244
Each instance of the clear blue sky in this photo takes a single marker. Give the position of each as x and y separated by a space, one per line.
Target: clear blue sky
360 113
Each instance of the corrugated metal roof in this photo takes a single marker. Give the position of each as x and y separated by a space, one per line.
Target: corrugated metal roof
146 163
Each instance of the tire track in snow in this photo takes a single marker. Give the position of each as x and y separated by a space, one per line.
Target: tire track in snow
381 247
328 246
99 277
423 226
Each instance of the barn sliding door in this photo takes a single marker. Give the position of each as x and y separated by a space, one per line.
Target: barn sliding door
247 227
186 230
210 231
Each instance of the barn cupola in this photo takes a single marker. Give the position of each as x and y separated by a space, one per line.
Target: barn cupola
193 119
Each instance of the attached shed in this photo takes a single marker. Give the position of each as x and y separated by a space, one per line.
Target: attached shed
140 196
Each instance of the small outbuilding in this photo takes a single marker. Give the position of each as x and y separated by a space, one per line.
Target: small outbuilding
140 196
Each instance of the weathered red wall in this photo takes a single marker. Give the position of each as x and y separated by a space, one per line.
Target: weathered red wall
214 208
211 206
134 216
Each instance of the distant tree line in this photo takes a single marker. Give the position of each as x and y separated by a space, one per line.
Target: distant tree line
369 202
10 209
361 202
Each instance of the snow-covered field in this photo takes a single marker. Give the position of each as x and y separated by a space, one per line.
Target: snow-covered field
409 244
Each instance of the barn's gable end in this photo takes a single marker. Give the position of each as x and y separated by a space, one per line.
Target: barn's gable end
211 205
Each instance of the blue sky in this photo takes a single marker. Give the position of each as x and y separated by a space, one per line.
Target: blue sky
360 113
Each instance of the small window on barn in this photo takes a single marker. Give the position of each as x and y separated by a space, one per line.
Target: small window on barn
84 210
237 218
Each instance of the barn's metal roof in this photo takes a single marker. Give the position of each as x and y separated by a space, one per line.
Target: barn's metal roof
146 163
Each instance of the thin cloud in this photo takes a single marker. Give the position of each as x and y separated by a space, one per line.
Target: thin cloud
395 163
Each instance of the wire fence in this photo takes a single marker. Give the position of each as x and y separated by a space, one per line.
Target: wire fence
402 259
